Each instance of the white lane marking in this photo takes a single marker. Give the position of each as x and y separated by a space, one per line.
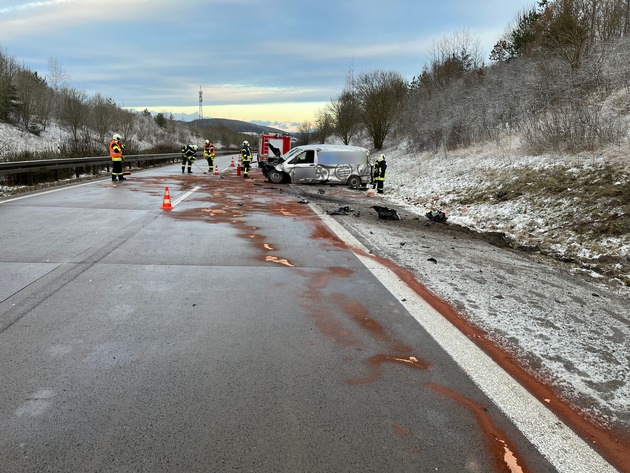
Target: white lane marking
187 194
562 447
58 189
173 204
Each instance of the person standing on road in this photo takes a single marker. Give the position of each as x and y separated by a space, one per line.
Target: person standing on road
246 158
116 149
189 153
379 173
208 153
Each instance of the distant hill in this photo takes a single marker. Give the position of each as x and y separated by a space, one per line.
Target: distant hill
235 125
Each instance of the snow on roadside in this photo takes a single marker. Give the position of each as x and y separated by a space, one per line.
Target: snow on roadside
425 181
571 335
13 140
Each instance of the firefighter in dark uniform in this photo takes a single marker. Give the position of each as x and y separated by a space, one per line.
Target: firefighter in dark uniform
379 173
208 153
189 153
246 158
116 149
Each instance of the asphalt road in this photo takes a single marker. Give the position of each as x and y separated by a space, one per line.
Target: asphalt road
560 331
235 332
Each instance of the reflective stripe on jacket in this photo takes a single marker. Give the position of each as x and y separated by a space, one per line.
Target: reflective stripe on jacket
115 151
379 170
246 153
189 152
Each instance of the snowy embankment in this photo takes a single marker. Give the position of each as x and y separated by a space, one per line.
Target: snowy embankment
575 209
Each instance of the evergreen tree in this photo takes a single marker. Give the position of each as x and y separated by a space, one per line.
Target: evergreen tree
160 119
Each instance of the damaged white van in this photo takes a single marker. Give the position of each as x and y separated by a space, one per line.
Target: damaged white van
330 164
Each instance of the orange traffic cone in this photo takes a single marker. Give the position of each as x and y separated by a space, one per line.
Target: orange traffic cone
216 169
232 163
167 200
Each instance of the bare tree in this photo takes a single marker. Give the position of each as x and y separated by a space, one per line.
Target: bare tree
9 99
345 111
44 106
57 80
346 115
324 125
57 77
380 95
74 113
124 123
31 90
144 127
305 132
103 113
452 57
606 19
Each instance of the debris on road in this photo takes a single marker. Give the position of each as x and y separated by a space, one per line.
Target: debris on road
385 213
436 216
340 211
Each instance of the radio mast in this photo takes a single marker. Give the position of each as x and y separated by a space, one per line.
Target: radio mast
200 104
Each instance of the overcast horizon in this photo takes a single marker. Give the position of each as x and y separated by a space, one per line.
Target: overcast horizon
274 63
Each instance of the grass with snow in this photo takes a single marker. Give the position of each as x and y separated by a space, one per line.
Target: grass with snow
574 208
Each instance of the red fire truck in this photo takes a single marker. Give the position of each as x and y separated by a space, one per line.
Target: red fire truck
272 146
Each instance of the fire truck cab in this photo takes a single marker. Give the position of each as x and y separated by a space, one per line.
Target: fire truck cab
271 146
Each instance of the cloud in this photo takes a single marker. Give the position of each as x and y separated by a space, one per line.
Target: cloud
59 18
158 53
17 8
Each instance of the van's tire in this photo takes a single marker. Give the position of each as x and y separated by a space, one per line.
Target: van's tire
275 177
354 182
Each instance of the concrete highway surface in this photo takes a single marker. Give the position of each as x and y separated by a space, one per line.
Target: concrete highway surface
237 331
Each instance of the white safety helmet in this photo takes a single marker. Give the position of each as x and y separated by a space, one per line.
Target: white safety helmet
381 158
246 143
207 142
195 147
116 136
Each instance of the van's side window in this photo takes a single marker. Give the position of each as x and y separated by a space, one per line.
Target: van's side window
307 158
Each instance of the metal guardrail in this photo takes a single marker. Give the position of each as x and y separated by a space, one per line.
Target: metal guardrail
20 167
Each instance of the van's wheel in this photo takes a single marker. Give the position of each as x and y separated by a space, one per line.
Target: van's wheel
354 182
275 177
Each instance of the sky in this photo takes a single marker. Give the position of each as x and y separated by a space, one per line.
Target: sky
272 62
